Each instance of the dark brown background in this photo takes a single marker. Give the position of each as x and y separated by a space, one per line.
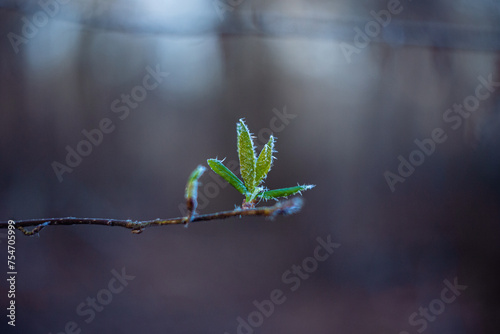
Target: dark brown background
352 122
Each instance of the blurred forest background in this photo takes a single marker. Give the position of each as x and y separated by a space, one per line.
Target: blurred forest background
342 121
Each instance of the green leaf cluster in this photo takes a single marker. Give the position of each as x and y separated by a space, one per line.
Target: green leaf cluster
253 169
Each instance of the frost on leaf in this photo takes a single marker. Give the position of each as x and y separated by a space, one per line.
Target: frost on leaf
246 154
219 168
264 161
253 170
284 192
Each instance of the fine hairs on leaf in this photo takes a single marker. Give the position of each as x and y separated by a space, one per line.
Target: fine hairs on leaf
218 167
246 154
253 170
264 161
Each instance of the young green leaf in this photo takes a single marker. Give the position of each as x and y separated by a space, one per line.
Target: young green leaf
218 167
246 155
264 161
192 184
284 192
191 193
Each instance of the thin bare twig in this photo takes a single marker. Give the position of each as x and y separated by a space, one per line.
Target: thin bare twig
286 207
